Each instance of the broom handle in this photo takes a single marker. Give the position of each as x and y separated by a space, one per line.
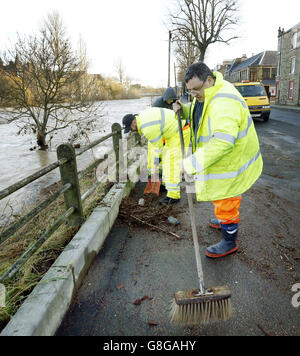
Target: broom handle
192 215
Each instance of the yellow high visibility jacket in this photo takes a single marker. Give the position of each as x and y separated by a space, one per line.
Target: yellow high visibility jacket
226 158
157 124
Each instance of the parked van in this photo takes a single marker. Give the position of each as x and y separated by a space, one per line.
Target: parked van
256 98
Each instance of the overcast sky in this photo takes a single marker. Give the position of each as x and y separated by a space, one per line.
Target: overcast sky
136 31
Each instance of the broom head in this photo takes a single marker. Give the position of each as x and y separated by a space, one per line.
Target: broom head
188 308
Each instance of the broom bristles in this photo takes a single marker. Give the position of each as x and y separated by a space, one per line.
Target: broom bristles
201 310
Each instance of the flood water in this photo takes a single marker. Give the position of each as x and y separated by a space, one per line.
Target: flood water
17 161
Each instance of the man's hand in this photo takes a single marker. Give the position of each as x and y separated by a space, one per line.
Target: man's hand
177 106
189 178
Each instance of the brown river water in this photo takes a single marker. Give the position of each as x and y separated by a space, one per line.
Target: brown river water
17 161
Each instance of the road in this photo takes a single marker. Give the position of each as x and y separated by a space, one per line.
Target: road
287 116
136 262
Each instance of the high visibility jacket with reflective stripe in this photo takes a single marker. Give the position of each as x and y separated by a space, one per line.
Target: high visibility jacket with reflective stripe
157 124
226 158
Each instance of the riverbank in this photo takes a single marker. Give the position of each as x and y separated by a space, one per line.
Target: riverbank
34 269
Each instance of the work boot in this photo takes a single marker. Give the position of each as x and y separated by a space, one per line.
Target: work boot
162 188
167 201
228 243
215 224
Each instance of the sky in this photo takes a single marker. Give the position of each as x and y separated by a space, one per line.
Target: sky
136 31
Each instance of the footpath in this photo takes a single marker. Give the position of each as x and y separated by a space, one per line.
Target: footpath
285 107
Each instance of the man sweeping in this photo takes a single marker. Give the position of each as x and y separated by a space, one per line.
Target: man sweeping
158 125
226 158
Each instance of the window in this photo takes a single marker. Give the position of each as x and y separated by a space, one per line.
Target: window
266 73
291 89
251 90
293 63
253 75
294 40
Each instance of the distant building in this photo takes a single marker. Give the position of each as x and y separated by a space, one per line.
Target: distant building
261 67
222 67
11 67
288 73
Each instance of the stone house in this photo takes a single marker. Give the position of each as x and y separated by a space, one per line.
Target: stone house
222 67
288 72
261 67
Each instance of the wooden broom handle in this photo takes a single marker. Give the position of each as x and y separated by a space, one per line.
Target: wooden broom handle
192 214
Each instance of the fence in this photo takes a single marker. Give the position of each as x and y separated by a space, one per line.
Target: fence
67 164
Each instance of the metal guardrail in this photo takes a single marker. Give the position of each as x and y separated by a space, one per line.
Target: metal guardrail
70 177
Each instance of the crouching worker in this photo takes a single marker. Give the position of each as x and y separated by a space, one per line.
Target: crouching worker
166 102
226 158
159 125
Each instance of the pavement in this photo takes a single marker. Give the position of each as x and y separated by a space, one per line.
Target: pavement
285 107
128 289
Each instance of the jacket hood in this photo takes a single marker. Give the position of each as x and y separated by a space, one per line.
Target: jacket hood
170 94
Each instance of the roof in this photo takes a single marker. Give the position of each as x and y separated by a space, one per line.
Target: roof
292 28
266 58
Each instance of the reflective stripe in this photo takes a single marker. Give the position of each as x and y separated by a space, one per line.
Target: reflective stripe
209 126
172 185
231 232
162 121
245 132
230 96
204 139
225 137
150 124
227 175
197 166
156 139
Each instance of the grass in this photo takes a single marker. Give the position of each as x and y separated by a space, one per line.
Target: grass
18 288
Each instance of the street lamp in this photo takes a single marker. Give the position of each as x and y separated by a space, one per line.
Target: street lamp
169 59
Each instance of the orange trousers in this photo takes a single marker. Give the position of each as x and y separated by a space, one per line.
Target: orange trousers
227 210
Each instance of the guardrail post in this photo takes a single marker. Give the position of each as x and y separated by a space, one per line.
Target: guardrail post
117 139
68 173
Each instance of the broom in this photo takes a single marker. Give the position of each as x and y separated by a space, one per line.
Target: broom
200 305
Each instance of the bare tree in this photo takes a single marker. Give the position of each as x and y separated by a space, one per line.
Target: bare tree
204 22
49 87
185 52
120 69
